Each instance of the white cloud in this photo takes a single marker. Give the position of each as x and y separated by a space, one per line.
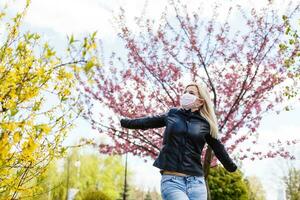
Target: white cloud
68 16
77 16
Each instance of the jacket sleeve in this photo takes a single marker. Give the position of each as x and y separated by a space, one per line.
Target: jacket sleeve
220 153
154 121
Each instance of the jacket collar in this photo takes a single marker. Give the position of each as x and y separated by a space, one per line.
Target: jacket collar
190 112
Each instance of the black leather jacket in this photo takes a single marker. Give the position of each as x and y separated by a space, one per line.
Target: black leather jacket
183 140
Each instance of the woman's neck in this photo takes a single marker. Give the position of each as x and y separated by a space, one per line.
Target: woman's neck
194 109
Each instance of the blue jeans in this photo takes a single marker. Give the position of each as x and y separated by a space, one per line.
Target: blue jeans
175 187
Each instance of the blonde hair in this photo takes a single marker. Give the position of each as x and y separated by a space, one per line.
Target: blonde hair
207 110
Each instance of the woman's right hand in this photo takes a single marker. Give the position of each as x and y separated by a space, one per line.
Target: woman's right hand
122 122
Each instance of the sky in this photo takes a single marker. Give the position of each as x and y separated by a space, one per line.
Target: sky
55 19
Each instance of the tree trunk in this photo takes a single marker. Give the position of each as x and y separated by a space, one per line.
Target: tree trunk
207 159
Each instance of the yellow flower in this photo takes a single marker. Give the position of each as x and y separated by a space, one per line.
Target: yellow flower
17 137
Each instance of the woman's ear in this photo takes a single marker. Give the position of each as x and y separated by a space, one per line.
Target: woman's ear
201 102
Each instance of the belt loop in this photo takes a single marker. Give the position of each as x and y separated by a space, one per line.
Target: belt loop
188 178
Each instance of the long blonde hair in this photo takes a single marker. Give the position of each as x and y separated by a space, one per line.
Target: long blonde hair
207 110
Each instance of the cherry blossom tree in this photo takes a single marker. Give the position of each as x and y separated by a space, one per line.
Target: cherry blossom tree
240 63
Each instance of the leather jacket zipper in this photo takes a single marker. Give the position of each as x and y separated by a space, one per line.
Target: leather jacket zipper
182 152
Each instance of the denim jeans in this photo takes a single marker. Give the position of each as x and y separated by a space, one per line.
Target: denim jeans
175 187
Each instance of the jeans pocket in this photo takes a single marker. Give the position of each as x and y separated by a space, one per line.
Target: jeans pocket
200 179
166 178
166 184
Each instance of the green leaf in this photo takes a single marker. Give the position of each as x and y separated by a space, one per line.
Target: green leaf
71 39
291 41
14 111
284 17
88 66
36 106
288 29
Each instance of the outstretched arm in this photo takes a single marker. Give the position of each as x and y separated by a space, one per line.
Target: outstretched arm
154 121
220 153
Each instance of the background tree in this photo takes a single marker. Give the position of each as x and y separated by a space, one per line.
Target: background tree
85 172
255 188
292 45
292 184
148 196
51 184
94 194
243 69
227 186
136 193
36 106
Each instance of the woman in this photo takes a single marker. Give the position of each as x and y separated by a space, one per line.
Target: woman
187 130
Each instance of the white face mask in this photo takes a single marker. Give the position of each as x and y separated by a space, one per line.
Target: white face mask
187 101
